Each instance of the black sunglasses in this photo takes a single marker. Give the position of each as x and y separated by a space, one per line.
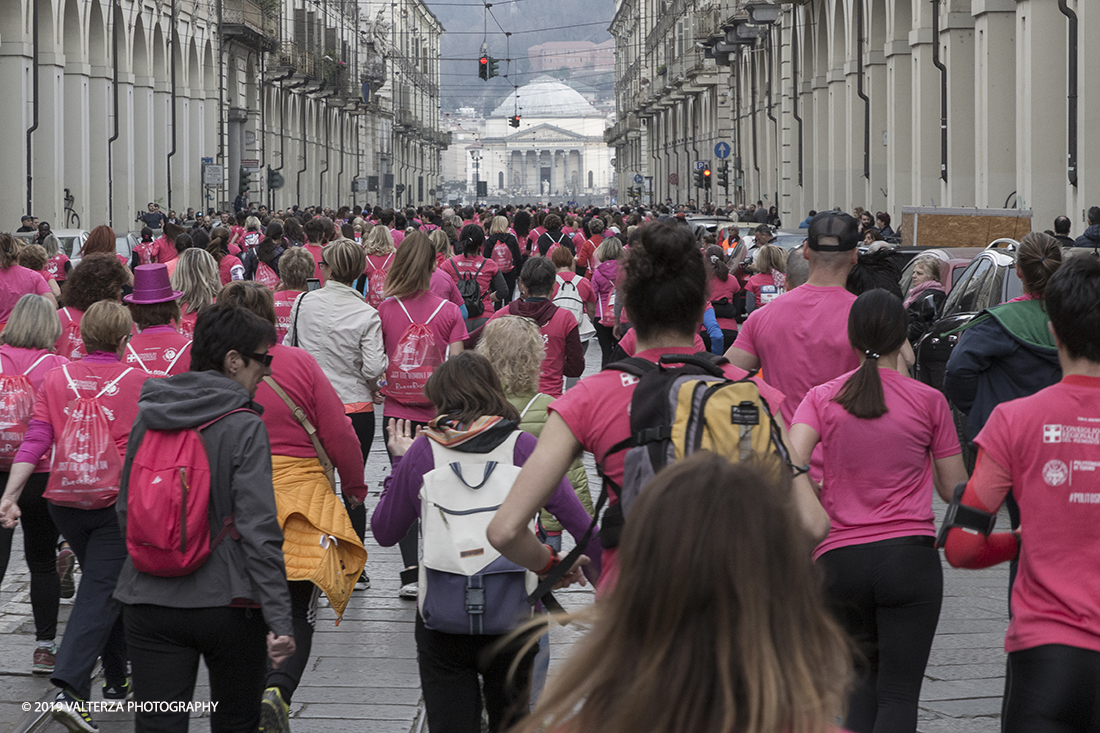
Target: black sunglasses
265 358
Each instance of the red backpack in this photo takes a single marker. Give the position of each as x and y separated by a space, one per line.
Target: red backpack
376 283
86 465
70 345
16 408
417 355
168 503
266 275
502 253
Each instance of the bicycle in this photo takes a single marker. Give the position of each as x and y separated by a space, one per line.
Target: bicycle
72 219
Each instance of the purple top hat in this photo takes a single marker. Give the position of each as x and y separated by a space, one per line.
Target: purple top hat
151 285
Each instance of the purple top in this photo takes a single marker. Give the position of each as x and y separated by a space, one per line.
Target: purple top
399 506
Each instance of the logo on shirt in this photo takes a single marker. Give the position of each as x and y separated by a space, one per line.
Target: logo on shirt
628 380
170 354
1055 473
1071 434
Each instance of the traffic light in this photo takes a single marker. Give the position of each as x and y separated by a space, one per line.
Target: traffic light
698 179
483 67
493 65
513 121
706 178
399 189
724 176
243 181
274 179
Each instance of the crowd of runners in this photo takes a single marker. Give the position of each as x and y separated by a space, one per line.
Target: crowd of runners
188 425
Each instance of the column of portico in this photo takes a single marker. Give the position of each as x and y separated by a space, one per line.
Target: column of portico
14 116
926 114
958 45
123 196
874 65
77 138
856 186
195 136
48 141
161 141
1083 195
899 126
994 101
838 142
819 163
100 128
1042 109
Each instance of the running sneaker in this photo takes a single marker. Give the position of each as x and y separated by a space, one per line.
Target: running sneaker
66 564
274 712
118 690
44 658
409 590
363 583
72 712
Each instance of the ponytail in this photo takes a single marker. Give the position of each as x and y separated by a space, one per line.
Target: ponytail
877 325
716 262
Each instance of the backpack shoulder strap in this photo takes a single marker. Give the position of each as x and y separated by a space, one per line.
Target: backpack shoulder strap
207 424
130 348
523 412
311 431
68 377
37 361
434 313
388 260
635 365
454 266
297 310
112 383
180 353
481 266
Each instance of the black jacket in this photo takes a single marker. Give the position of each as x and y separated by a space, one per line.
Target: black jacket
1091 237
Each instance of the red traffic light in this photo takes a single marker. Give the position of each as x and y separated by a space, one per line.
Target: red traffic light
706 172
483 60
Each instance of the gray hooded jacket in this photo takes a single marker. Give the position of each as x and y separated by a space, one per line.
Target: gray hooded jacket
250 568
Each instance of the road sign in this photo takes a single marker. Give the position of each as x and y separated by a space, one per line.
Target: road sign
207 161
213 175
700 165
722 151
252 165
638 178
674 179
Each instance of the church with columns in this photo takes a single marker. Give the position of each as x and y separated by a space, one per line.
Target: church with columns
556 154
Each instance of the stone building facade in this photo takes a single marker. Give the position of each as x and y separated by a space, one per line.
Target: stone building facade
123 102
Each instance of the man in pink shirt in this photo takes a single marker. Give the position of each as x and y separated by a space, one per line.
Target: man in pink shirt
801 338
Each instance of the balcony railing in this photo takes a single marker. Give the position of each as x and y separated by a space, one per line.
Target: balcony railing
254 22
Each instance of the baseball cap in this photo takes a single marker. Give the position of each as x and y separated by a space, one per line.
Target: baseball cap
841 227
28 217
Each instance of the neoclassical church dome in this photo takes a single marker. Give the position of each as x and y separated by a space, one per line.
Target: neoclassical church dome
546 97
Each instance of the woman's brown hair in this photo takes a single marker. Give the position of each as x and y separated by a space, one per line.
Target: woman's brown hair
219 243
715 260
411 271
97 277
100 241
250 295
728 633
466 387
663 280
9 251
1039 256
877 325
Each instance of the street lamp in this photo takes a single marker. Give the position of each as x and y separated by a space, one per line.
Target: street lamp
762 13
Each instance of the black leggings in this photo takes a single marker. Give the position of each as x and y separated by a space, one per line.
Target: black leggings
303 615
606 336
40 537
363 424
1051 689
409 543
887 596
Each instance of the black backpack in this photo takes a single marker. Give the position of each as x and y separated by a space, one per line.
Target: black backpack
470 291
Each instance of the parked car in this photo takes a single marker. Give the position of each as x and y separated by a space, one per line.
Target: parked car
71 241
953 261
988 280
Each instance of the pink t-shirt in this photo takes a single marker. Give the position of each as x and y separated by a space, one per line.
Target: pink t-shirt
315 250
629 342
446 325
160 351
801 340
15 282
444 286
229 266
15 361
891 495
597 411
763 286
554 333
55 266
461 264
727 289
284 302
1048 443
398 236
377 267
187 321
165 250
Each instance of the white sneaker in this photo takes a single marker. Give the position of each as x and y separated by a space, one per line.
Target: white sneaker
409 590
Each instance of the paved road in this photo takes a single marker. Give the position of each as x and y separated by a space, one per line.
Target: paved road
363 674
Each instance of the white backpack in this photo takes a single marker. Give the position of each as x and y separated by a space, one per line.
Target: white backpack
569 298
465 585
